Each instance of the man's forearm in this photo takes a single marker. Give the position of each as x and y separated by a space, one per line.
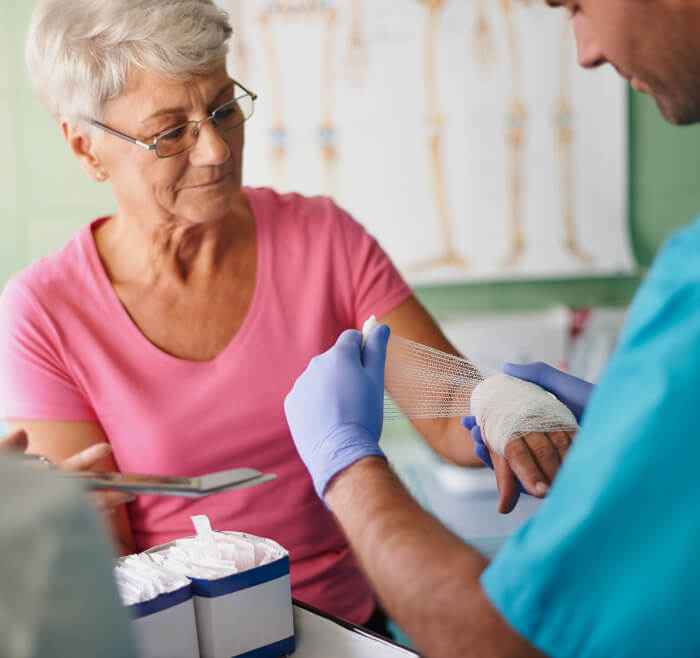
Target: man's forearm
426 577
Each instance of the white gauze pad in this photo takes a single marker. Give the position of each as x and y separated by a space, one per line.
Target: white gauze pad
507 408
368 327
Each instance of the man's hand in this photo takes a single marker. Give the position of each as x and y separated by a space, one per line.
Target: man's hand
532 462
570 390
335 409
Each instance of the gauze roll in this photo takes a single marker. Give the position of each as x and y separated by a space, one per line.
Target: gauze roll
507 408
422 382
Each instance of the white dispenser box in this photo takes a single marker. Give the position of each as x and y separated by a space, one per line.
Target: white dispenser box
165 627
237 603
245 614
161 608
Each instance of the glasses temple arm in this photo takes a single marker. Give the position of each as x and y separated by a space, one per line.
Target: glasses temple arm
116 133
252 94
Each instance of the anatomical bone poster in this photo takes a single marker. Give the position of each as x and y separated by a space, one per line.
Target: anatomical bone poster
460 133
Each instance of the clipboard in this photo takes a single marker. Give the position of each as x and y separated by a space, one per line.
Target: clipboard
163 485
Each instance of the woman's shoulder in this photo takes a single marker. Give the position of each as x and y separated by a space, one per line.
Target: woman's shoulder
295 208
57 274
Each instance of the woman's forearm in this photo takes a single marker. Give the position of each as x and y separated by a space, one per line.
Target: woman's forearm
450 439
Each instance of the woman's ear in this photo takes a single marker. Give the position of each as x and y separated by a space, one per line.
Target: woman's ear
81 144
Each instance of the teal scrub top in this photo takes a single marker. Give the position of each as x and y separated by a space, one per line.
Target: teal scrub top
610 564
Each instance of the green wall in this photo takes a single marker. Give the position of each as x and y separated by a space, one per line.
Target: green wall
665 183
44 196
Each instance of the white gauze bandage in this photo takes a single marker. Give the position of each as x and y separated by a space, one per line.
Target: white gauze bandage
422 382
507 408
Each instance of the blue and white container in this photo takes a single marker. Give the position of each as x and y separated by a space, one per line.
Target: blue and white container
165 627
246 614
161 607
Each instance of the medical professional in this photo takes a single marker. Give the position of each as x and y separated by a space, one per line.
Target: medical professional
608 564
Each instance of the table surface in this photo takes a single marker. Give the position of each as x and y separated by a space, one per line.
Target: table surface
319 635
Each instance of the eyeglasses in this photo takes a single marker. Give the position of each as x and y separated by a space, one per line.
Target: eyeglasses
226 117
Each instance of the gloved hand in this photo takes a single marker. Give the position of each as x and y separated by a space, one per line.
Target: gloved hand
530 460
570 390
481 450
336 408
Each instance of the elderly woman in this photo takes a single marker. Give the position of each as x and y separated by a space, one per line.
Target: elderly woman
174 328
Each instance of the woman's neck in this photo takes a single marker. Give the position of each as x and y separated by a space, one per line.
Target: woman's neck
171 252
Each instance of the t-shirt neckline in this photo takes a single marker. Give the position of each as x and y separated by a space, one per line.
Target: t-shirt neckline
127 324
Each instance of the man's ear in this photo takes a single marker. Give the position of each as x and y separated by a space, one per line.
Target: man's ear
81 144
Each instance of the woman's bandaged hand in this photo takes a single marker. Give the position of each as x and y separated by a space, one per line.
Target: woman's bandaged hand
529 431
507 408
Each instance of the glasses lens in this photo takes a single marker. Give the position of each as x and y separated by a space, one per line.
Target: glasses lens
233 114
228 116
175 141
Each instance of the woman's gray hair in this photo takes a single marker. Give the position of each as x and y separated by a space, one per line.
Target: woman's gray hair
80 52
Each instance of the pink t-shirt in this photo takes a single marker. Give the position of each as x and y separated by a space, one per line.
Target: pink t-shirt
69 351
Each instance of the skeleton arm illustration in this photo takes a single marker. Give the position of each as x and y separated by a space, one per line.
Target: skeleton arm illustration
449 256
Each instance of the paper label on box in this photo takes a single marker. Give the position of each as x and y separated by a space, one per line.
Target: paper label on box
169 633
241 621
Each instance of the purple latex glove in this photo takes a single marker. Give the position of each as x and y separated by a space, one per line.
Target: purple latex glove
481 450
335 409
570 390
